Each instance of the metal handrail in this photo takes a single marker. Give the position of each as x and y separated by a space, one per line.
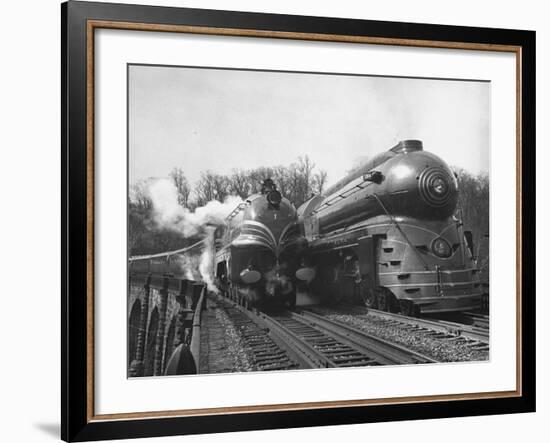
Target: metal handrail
167 253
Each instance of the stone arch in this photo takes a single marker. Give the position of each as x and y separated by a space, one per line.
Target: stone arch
170 338
149 361
133 330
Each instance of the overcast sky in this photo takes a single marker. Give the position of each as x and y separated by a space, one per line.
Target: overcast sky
200 119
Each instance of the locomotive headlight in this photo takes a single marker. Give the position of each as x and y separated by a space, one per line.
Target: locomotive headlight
250 276
436 187
439 186
441 248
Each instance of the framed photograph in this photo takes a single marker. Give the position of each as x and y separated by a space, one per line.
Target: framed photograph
276 221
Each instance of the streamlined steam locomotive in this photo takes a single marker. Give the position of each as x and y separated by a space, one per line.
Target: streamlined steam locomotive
386 236
258 250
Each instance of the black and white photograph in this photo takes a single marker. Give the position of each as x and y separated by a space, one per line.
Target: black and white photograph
279 221
282 220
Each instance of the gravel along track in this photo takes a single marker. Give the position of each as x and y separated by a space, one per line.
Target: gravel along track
287 340
440 346
263 351
221 348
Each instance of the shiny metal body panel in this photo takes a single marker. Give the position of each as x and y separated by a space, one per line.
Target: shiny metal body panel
261 236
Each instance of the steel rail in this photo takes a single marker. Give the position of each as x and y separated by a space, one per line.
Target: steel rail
301 353
480 320
329 349
313 341
384 352
447 327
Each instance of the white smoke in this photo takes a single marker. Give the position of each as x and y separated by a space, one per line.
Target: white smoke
189 274
188 264
169 214
207 261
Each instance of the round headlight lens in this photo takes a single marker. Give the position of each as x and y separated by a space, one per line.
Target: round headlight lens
436 187
439 186
274 197
441 248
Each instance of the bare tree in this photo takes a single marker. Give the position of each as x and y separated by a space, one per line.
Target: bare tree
240 183
300 180
182 185
281 177
319 181
211 186
139 195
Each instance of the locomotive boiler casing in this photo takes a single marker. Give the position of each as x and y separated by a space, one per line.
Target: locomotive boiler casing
258 251
400 185
387 236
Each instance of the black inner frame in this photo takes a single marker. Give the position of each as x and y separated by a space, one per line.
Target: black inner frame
74 424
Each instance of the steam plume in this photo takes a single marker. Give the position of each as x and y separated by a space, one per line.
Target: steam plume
169 214
207 260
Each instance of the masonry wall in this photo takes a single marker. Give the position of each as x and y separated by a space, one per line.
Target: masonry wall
156 313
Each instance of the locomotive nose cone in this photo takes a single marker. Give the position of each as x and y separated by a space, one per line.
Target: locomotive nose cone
436 187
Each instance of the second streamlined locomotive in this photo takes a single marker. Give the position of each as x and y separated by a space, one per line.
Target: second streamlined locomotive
386 236
258 250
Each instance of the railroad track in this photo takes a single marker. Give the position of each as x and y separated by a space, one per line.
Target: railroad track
266 350
473 319
442 329
291 340
339 345
478 320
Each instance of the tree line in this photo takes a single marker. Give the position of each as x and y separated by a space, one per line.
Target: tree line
297 181
473 210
